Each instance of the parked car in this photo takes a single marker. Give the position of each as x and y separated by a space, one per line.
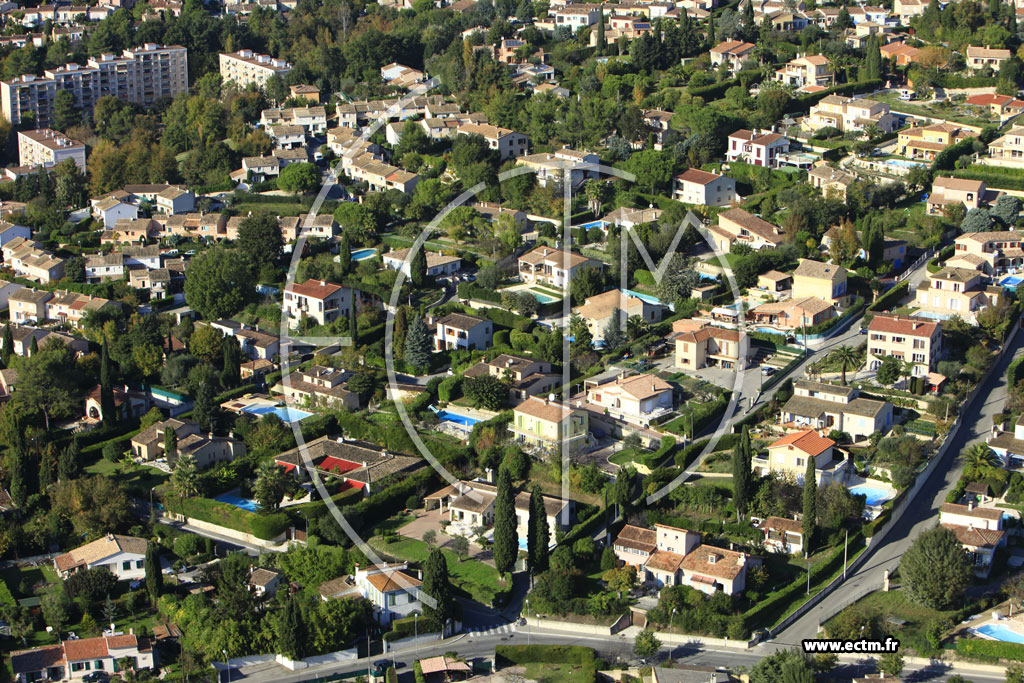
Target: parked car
767 370
98 676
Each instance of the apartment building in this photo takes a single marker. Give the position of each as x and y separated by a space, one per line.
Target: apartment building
992 252
848 114
979 530
552 266
927 141
972 194
824 406
671 556
825 281
911 340
457 331
597 311
732 52
699 345
547 424
980 57
140 75
637 399
245 66
804 71
956 291
47 148
757 147
702 188
737 226
791 454
526 376
508 143
1007 149
323 302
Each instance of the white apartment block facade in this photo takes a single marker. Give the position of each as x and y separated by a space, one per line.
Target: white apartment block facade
245 66
47 148
140 75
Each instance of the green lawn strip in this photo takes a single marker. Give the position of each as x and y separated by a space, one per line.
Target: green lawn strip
548 289
898 605
545 672
478 579
138 479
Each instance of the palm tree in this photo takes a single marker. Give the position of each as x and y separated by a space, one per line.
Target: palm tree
636 327
848 357
978 459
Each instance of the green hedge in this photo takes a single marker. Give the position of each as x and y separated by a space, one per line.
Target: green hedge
990 650
1002 181
471 290
947 158
5 595
687 455
585 528
265 527
884 302
947 80
652 459
699 417
1015 372
576 655
410 627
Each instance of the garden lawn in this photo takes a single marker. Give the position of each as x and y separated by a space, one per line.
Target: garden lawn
544 672
478 579
31 577
138 479
896 603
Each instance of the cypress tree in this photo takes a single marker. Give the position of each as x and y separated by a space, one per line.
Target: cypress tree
872 59
231 374
741 475
539 534
8 349
67 465
437 587
810 520
154 578
344 254
19 487
711 31
48 467
600 34
170 444
418 268
353 331
107 387
291 636
506 539
33 347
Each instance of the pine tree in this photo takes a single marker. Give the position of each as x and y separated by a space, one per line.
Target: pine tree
439 602
741 474
506 539
614 337
539 535
154 578
8 349
417 344
344 253
748 22
107 406
810 520
67 466
418 268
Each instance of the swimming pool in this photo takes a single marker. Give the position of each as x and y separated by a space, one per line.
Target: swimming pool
363 254
543 298
1000 632
644 297
904 163
463 420
874 494
593 224
287 415
238 502
1011 281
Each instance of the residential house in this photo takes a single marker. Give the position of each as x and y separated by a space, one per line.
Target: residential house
462 332
552 167
702 188
1007 149
508 143
29 305
553 266
547 424
905 10
312 120
72 660
264 582
992 252
439 264
828 407
322 226
824 281
1003 106
379 176
28 259
899 53
732 52
357 464
577 16
698 346
175 200
981 57
775 281
832 182
848 114
783 535
393 592
318 385
955 291
792 314
122 556
927 141
1009 445
910 340
597 311
111 210
807 70
526 376
321 301
739 226
756 147
972 194
469 505
12 231
637 399
979 530
659 123
149 443
792 453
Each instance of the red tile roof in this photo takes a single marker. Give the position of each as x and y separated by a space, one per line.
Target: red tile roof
809 441
315 289
912 327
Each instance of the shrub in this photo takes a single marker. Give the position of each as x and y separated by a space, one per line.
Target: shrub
411 626
886 301
990 650
554 654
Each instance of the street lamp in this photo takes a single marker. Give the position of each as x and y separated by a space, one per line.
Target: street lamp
528 634
670 618
227 664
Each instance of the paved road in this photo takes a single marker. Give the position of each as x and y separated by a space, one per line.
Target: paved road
916 518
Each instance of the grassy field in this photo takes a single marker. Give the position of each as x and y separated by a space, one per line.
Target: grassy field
898 605
137 479
22 581
282 208
544 672
481 581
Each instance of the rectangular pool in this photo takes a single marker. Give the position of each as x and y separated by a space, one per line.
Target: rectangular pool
462 420
1011 281
363 254
1001 632
874 495
286 414
238 502
543 298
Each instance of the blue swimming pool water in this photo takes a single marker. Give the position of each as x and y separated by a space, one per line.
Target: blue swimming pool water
593 224
1011 281
287 415
363 254
644 297
904 163
544 298
238 502
874 495
464 420
1001 632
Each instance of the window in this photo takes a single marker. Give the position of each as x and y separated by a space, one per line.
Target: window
140 564
126 565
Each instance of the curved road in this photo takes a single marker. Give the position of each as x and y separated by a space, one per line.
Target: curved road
916 518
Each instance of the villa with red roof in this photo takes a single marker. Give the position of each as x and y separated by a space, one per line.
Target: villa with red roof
913 340
1003 106
978 529
791 453
702 188
757 147
393 591
74 659
320 301
358 464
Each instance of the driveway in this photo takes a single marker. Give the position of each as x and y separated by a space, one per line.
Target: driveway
430 520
